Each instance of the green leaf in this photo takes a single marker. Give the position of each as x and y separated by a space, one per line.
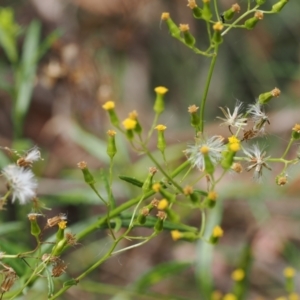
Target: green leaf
159 273
204 254
70 282
132 180
26 73
11 227
48 42
50 283
89 142
8 34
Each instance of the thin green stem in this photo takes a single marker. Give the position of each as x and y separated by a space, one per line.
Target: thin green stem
97 193
216 10
287 148
206 88
239 19
152 128
179 188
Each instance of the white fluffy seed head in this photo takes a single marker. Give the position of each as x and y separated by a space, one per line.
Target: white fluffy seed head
22 183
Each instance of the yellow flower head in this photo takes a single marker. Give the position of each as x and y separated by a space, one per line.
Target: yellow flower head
129 124
218 26
163 204
176 235
236 8
156 187
161 90
238 275
109 105
230 297
165 16
293 296
188 190
192 4
289 272
233 139
259 15
237 167
62 224
161 127
296 128
276 92
111 132
235 147
193 109
218 231
184 27
133 115
212 195
204 149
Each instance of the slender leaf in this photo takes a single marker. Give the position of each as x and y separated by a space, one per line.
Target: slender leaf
158 273
205 254
26 73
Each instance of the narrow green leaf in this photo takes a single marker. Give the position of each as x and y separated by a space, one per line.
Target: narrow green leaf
26 73
159 273
204 254
50 283
132 180
70 282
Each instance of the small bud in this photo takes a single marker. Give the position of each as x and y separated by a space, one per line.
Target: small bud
209 167
289 274
260 2
161 142
296 132
159 105
232 147
206 11
129 125
34 226
238 275
237 167
62 225
163 204
187 236
229 296
195 120
266 97
188 37
277 7
59 247
281 180
189 191
134 116
217 38
197 12
143 215
250 23
211 199
216 234
109 106
176 235
173 28
147 185
229 14
111 149
161 216
88 177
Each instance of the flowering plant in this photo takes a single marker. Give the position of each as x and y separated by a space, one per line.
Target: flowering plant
193 183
